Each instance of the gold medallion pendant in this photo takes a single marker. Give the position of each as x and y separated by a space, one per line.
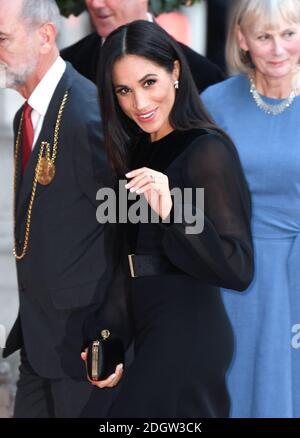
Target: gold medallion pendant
46 171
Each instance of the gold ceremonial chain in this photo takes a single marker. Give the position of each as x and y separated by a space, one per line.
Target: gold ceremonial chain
44 173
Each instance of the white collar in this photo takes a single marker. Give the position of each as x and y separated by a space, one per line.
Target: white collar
42 94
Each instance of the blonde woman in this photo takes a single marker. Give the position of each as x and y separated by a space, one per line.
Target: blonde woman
260 109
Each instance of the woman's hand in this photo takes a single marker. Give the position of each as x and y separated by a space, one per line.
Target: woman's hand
155 186
111 381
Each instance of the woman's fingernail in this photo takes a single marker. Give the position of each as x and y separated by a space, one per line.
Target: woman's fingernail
128 174
126 186
132 189
112 377
120 367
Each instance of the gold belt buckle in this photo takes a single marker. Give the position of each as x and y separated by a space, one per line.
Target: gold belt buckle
131 265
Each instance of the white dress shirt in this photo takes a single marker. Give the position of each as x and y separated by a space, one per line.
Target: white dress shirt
41 96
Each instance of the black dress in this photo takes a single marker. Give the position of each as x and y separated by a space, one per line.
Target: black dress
183 339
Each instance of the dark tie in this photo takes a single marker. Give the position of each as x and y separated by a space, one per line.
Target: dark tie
28 135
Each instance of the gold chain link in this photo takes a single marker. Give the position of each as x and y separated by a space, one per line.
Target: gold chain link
44 145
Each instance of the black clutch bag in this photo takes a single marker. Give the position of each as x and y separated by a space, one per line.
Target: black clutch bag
103 355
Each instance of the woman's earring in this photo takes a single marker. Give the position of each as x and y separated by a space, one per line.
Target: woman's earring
176 85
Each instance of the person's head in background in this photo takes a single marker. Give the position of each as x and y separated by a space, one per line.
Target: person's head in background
28 31
108 15
146 84
264 38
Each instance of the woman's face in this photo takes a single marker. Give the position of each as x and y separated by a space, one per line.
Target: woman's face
146 93
275 52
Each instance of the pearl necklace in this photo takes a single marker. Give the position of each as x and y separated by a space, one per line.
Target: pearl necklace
269 108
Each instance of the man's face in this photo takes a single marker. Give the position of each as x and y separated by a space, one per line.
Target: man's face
18 46
108 15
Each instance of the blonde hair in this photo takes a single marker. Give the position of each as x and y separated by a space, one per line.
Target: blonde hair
267 13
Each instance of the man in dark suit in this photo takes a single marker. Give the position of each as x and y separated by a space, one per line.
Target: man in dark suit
217 30
65 259
107 15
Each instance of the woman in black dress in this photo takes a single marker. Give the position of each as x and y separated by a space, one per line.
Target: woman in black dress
183 339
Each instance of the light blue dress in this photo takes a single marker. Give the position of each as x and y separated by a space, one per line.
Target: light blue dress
264 379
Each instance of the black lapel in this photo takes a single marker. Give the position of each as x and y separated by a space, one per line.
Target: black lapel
46 134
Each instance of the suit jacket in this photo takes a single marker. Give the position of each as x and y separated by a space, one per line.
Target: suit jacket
71 262
217 18
84 56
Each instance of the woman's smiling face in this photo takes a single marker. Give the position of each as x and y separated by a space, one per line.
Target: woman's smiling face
146 93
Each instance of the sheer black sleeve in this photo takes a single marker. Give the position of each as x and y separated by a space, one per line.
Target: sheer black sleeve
222 253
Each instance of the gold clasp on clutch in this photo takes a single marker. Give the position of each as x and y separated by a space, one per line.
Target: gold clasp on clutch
95 350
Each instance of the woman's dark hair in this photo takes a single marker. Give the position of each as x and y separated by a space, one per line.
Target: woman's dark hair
150 41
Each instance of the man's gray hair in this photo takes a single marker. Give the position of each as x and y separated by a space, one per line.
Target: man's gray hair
38 12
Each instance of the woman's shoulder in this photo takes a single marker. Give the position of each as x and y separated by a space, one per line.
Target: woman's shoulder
230 87
209 153
208 141
223 100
